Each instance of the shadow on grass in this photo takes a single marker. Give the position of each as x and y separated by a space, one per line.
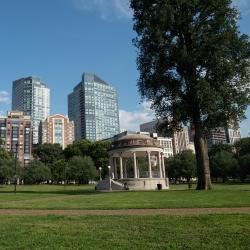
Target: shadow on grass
60 192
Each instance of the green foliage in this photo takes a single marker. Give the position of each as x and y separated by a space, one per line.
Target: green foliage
57 169
243 153
243 146
223 164
7 163
181 165
81 169
48 153
98 151
36 172
78 148
244 162
6 169
220 147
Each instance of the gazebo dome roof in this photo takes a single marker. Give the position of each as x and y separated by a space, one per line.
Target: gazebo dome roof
135 140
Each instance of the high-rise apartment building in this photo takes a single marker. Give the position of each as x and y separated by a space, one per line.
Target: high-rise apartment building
228 135
32 97
16 133
93 106
149 127
56 129
180 139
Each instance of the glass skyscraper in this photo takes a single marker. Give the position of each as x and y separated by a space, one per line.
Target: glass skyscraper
32 97
93 106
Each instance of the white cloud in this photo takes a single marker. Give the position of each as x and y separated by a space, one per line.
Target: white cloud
130 120
243 6
4 97
106 8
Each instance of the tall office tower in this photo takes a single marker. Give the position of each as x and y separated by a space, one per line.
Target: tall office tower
56 129
16 133
93 106
32 97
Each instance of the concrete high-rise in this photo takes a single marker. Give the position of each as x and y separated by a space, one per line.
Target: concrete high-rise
31 96
93 106
180 139
16 133
56 129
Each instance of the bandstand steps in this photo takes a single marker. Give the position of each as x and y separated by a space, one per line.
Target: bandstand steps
105 185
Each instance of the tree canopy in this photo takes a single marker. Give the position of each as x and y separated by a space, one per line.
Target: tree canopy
181 166
194 67
48 153
81 169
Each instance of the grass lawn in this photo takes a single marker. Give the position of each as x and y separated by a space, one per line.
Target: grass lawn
84 197
231 231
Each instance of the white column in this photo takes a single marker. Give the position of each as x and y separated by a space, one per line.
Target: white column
121 168
115 167
135 167
159 163
138 168
163 166
111 165
125 170
149 165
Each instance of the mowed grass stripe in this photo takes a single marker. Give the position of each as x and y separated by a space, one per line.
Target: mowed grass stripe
84 197
218 231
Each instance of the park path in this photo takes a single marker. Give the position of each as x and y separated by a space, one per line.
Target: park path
166 211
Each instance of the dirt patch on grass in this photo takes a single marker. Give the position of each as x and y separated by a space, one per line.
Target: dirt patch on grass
167 211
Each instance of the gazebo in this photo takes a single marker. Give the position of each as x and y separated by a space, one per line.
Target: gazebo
137 161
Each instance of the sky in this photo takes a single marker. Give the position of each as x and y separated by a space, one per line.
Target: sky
58 40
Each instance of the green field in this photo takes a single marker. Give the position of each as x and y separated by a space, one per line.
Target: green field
203 231
231 231
84 197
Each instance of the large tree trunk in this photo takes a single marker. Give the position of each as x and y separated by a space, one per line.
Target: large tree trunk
201 149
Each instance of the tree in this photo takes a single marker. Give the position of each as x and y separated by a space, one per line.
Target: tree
182 165
244 162
223 164
78 148
193 65
172 165
243 146
188 163
6 169
48 153
99 153
220 147
36 172
57 169
81 169
7 162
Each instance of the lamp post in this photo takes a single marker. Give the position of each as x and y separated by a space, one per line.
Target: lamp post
109 168
100 171
15 176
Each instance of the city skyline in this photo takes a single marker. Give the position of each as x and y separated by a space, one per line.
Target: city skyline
77 36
